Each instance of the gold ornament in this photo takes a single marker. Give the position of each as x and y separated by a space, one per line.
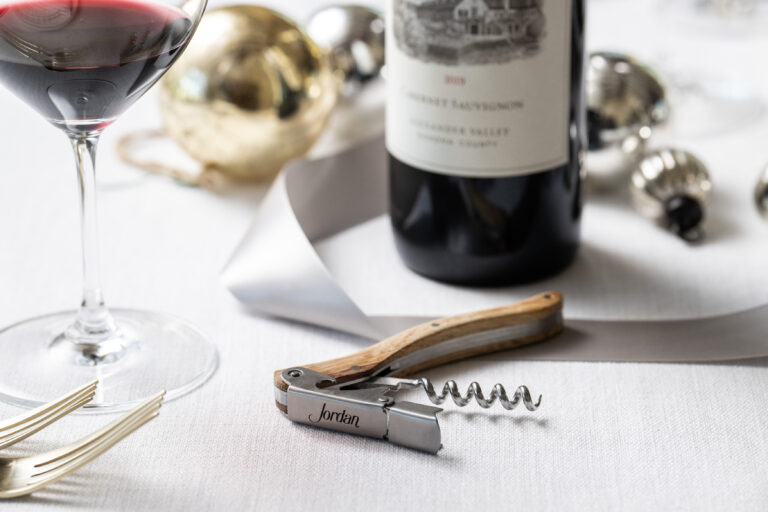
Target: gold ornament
251 92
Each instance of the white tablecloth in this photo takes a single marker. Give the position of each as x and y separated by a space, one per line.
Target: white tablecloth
609 436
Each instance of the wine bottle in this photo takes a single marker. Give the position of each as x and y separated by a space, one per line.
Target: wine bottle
485 134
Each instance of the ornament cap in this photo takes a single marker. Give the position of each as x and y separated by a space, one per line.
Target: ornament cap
684 215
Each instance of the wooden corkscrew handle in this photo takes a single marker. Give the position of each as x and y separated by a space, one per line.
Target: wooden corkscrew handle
448 339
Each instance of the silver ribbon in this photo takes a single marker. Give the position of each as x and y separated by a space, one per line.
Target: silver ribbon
276 271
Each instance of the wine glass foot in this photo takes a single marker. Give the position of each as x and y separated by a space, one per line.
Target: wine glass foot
150 352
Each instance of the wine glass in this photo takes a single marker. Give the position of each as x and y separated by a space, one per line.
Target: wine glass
708 100
80 64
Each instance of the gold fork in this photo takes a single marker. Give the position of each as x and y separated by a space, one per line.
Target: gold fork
24 475
21 427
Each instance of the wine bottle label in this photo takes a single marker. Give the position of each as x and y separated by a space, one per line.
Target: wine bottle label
479 87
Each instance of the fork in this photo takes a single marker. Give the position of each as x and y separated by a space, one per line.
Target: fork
24 475
21 427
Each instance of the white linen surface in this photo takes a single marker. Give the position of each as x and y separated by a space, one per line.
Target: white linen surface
608 436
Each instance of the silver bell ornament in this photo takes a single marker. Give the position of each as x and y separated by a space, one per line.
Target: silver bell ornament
626 100
353 38
672 186
761 194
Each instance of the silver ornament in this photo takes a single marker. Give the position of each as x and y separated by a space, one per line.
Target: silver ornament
672 186
625 101
353 37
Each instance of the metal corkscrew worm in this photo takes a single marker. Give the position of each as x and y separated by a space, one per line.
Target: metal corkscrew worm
450 388
474 391
356 394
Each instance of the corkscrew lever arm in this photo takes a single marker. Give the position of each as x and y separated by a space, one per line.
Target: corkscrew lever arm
356 393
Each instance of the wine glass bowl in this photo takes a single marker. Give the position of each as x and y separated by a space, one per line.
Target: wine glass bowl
80 64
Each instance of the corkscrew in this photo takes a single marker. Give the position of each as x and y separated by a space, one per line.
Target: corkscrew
451 389
356 393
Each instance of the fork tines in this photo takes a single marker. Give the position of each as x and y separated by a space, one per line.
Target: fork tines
24 475
21 427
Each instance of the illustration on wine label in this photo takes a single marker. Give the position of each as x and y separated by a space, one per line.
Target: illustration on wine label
468 32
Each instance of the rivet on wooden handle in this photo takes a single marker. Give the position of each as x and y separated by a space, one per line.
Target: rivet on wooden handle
543 313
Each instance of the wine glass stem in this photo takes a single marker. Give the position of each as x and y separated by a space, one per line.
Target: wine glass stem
94 323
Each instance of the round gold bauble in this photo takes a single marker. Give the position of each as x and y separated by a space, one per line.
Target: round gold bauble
251 92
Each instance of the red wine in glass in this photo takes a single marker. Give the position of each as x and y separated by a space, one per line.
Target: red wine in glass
82 62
